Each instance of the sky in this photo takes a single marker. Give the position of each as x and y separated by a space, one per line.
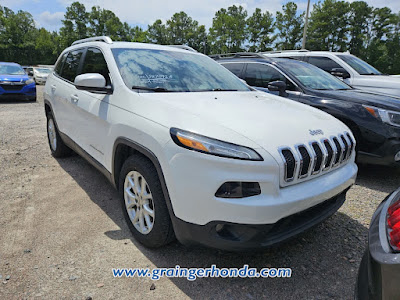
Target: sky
49 13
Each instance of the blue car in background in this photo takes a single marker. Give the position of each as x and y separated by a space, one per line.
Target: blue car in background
15 83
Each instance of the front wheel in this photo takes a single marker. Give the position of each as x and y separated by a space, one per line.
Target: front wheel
143 203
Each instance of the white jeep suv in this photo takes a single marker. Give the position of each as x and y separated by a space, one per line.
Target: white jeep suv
194 152
349 68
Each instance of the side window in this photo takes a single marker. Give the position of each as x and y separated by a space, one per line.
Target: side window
323 63
260 75
71 65
60 63
95 63
235 68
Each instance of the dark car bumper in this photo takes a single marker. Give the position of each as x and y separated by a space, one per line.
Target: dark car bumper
379 273
240 237
24 92
384 154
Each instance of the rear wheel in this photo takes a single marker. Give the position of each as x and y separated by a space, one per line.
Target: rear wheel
143 203
57 146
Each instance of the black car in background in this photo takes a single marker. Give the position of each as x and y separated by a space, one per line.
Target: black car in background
379 273
374 119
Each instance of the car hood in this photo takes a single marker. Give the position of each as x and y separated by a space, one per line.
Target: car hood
381 80
14 78
267 120
362 97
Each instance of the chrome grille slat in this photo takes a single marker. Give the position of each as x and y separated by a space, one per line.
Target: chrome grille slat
304 161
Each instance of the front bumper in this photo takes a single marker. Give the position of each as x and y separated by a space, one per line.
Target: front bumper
27 92
192 179
379 145
379 273
239 237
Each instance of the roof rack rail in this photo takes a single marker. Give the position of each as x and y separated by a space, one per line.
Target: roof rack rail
236 55
105 39
185 47
283 51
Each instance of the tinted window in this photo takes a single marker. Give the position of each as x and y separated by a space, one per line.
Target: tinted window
359 65
234 68
95 63
260 75
313 77
59 65
323 63
71 65
175 71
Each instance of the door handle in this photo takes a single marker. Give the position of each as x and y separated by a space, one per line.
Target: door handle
74 98
53 87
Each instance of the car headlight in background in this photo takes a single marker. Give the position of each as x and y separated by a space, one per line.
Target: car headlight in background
29 81
386 116
211 146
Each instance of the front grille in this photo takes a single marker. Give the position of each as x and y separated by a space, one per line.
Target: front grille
9 87
308 160
318 157
339 151
330 154
290 164
305 161
346 147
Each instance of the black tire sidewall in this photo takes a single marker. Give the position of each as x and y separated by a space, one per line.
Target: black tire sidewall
160 234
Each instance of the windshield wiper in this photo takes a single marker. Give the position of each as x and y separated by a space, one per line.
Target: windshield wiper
145 88
218 90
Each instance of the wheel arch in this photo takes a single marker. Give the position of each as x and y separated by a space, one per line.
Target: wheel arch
123 148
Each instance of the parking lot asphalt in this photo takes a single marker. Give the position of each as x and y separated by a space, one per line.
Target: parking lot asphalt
62 231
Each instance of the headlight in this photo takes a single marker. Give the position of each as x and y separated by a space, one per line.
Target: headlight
211 146
29 81
387 116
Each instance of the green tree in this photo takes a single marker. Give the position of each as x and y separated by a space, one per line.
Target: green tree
289 24
75 24
260 29
105 22
157 33
359 18
329 26
228 32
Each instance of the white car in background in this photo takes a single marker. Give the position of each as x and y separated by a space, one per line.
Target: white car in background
40 74
348 67
194 152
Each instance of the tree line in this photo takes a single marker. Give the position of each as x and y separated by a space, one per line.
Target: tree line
372 34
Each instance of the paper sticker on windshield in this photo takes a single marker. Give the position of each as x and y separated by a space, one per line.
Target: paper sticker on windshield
160 78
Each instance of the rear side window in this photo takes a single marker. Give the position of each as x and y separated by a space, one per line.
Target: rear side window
95 63
60 63
71 65
260 75
235 68
323 63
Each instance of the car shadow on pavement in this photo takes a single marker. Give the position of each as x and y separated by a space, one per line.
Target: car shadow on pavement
381 178
324 260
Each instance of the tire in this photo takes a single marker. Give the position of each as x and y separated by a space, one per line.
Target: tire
137 172
56 144
33 99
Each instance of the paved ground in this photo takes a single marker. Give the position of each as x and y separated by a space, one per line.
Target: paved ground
62 231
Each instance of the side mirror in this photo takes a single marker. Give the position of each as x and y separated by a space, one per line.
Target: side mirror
92 82
340 72
278 86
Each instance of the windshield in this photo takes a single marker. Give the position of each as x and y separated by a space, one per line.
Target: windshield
173 71
359 65
43 70
313 77
11 70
